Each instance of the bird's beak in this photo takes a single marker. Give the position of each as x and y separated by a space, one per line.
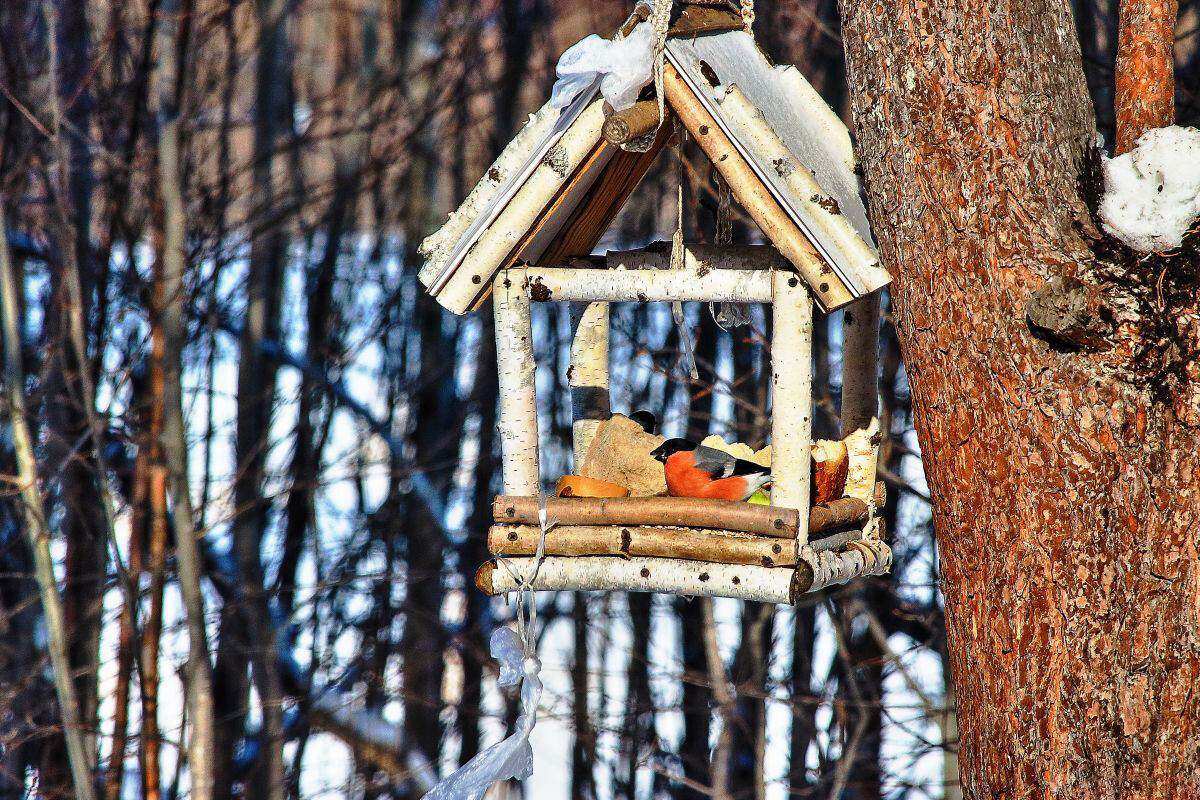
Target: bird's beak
658 454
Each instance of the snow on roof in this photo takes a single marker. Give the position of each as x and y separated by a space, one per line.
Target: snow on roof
1152 193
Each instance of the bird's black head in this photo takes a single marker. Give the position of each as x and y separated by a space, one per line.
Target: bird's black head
670 447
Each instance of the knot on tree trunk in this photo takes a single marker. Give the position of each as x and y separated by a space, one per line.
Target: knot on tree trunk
1071 315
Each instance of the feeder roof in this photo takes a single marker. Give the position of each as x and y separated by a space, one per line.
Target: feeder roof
557 186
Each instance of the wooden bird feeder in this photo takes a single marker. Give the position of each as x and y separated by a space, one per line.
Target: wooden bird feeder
546 201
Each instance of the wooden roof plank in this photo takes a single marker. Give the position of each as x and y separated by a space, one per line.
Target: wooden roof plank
754 196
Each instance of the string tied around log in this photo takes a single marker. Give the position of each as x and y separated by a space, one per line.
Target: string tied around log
525 599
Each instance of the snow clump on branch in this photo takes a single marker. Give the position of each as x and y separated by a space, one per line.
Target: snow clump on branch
1152 193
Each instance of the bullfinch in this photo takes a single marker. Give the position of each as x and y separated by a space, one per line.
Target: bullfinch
693 470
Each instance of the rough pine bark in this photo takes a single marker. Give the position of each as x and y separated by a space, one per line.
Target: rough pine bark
1145 74
1063 473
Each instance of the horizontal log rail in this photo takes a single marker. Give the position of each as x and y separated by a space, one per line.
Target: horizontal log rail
556 284
815 570
719 547
681 512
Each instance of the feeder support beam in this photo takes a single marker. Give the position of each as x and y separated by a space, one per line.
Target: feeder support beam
588 374
756 198
518 425
860 358
791 396
555 284
860 394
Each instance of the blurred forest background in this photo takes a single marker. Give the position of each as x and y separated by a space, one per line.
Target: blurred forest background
336 427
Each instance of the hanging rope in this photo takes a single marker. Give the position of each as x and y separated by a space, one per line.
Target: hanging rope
660 19
726 315
748 16
677 259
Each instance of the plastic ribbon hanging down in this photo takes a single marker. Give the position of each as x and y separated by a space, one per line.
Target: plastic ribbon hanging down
510 758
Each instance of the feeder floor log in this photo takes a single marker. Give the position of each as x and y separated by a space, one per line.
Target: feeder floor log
615 574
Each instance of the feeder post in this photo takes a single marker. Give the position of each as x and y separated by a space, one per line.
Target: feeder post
860 396
518 399
588 374
791 396
860 358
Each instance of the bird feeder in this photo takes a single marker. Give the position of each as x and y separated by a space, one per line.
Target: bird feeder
536 215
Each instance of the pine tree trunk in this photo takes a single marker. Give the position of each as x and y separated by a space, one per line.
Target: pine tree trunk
1064 480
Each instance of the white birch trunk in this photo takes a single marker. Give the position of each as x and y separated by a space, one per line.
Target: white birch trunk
588 375
791 396
615 574
553 284
198 668
518 424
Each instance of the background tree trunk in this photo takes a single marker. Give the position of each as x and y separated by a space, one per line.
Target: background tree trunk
1064 489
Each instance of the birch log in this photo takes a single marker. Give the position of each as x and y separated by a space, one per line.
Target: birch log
830 226
588 375
837 514
754 196
720 547
438 246
649 286
862 447
467 286
683 512
615 574
518 425
634 122
866 556
860 360
791 396
860 394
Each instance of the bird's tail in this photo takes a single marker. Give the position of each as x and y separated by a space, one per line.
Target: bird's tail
756 482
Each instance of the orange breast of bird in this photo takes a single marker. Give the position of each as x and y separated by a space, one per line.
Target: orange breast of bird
685 480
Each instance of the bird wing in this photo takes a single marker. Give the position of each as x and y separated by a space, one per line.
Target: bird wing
722 465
